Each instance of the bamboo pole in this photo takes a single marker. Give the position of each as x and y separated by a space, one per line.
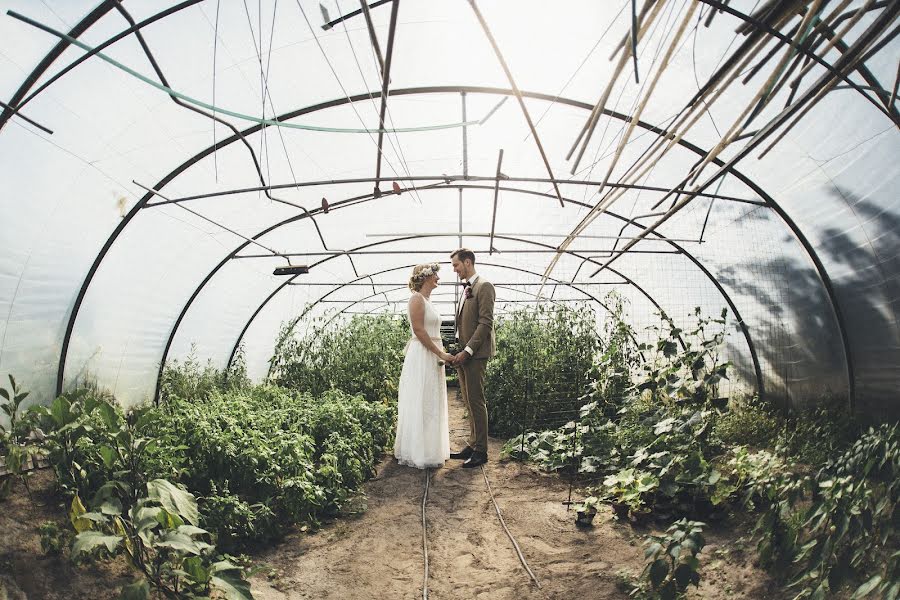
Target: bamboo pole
761 96
602 206
591 122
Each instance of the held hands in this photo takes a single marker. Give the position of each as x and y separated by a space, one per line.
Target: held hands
460 358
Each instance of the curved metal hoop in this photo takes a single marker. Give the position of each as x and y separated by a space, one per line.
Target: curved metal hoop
457 89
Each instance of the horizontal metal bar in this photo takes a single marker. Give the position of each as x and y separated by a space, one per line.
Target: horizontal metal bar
351 14
541 235
26 119
216 223
445 251
445 178
402 283
498 301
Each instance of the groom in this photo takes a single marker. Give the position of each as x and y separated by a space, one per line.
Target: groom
475 331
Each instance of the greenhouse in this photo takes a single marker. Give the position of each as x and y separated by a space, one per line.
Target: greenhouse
657 247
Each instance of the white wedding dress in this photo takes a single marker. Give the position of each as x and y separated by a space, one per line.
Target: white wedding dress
423 432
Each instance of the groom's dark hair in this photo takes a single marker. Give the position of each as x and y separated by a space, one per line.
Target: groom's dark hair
464 254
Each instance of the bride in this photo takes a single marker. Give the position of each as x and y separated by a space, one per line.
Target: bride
423 432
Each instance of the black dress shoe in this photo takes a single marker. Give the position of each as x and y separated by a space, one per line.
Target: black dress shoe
462 454
476 460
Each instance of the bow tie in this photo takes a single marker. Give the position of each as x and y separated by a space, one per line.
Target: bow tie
467 284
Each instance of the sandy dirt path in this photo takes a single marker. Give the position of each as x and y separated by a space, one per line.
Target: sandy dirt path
378 553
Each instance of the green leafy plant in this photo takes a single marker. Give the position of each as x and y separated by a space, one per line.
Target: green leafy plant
684 366
630 488
673 564
14 444
161 536
361 355
827 530
264 458
191 379
540 368
748 422
54 538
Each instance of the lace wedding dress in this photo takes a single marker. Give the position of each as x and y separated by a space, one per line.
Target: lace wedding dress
423 432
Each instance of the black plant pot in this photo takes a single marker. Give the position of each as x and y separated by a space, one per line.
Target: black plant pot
620 510
585 518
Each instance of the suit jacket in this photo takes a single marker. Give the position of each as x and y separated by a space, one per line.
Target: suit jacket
475 320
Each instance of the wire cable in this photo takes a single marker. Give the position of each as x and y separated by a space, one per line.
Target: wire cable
425 535
271 122
506 529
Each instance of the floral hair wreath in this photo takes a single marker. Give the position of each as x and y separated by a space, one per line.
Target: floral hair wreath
427 272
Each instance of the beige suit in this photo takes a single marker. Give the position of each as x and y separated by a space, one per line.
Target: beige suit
475 328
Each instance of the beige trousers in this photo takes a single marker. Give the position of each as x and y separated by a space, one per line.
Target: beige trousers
471 383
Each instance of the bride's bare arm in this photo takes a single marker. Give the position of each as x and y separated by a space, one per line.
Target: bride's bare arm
417 320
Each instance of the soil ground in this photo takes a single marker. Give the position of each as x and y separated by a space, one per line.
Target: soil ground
378 553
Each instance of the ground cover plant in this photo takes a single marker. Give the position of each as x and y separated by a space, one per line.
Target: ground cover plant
655 434
218 466
359 355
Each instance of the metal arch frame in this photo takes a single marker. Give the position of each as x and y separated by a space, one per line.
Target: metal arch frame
407 266
744 329
344 203
240 337
731 305
390 270
352 303
445 90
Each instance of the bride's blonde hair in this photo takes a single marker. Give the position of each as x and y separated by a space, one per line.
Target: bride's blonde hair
421 273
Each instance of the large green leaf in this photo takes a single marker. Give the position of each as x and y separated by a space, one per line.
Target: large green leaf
108 414
193 566
178 541
174 499
864 590
232 586
658 570
61 411
139 590
108 455
91 540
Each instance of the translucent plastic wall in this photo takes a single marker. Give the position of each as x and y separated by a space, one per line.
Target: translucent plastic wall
799 243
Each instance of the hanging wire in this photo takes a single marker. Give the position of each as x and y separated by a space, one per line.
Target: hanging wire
270 122
398 150
215 52
590 53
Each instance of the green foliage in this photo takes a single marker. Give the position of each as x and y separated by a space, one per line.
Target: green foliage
543 355
54 538
96 449
824 531
191 379
362 355
684 366
14 443
659 425
618 356
161 537
263 458
815 435
748 423
746 475
630 488
673 564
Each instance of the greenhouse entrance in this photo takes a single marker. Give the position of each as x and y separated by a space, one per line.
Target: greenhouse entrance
322 299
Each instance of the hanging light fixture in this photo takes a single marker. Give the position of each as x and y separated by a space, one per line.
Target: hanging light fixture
291 270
